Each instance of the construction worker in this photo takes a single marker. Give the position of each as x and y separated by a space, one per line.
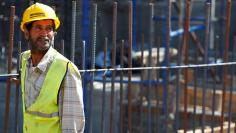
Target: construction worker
51 84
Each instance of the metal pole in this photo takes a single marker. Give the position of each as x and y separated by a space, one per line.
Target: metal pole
180 9
180 13
83 56
104 86
73 26
151 32
9 68
214 84
134 23
196 41
195 90
84 83
205 79
222 25
231 86
157 87
62 47
121 85
179 60
17 89
141 86
114 25
31 2
166 62
234 69
2 33
185 53
225 68
94 35
130 66
92 67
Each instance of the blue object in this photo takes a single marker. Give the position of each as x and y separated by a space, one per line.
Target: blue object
191 29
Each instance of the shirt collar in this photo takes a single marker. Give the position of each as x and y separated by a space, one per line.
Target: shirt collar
45 61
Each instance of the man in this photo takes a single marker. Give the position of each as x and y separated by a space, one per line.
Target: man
51 84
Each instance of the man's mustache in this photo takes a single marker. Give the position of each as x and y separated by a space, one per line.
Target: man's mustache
43 39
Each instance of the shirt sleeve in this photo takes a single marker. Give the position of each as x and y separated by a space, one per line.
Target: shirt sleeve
71 108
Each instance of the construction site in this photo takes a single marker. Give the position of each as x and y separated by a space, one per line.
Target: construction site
147 66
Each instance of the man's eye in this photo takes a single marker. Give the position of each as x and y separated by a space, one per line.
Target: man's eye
37 28
50 28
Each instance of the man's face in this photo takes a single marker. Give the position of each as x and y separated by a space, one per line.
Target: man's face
41 35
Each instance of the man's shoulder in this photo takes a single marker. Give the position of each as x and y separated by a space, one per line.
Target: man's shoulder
72 68
25 54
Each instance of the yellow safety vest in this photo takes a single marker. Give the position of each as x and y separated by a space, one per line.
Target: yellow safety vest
43 115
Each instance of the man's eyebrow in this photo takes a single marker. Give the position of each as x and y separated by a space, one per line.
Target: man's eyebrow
42 25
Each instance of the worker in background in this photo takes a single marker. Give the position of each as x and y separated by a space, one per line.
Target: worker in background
51 84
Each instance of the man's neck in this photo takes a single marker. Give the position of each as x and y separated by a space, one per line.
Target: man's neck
36 57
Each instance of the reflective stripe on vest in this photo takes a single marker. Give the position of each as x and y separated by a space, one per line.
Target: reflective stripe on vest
55 114
42 115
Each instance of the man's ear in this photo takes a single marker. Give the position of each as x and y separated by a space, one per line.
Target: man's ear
26 33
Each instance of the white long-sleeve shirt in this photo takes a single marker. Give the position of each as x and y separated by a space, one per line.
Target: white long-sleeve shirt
70 96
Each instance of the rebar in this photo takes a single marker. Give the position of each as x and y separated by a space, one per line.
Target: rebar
222 26
83 55
114 26
185 53
73 29
17 89
31 2
214 84
130 23
180 10
179 59
234 69
166 62
157 86
84 82
62 49
104 86
195 91
225 58
93 67
205 77
141 84
196 41
151 32
231 86
121 85
154 116
9 68
134 22
94 39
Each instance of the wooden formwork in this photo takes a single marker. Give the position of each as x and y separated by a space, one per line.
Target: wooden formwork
215 129
209 93
209 99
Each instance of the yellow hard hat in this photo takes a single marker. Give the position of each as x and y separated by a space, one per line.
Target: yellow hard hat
39 11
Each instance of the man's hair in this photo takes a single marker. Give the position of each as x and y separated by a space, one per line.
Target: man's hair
29 26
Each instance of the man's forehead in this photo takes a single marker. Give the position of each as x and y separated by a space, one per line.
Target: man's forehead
43 22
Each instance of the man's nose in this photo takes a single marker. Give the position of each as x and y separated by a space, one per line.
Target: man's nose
44 33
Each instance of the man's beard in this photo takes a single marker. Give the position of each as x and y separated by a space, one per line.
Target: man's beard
36 47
